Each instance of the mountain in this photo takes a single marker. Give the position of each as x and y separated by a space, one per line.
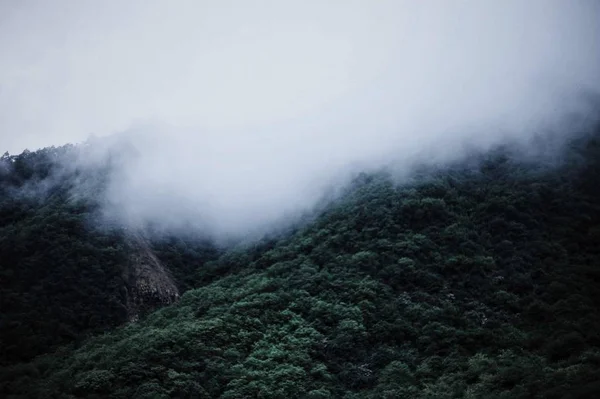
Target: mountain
477 279
61 276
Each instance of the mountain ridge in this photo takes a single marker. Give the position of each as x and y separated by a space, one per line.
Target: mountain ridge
468 281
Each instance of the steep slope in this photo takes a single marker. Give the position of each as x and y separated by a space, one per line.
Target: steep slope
149 284
469 283
63 278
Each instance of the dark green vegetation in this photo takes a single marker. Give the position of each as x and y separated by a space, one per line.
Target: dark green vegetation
60 279
472 282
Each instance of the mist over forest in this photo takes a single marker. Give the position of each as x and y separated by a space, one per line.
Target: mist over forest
301 199
241 114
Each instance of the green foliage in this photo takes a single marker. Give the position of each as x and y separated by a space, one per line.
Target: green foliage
60 277
475 282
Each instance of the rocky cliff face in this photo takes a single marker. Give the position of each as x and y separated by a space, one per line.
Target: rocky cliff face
148 282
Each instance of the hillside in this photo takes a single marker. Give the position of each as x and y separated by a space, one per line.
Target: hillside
61 276
475 280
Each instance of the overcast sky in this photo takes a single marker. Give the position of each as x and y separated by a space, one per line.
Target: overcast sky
225 91
75 67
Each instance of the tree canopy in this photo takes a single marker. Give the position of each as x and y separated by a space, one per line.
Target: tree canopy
475 280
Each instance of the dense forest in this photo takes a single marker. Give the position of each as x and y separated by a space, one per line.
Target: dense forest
477 279
61 277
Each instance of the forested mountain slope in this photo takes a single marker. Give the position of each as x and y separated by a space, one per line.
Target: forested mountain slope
476 280
62 277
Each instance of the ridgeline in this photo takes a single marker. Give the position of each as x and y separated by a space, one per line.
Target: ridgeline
475 280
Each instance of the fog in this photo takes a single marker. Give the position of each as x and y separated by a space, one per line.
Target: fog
243 113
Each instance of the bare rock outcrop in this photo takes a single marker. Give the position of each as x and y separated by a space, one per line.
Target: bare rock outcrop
149 284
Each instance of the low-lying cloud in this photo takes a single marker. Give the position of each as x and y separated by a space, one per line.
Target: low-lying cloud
243 112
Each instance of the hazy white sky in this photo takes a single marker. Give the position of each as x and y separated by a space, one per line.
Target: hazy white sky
69 68
256 100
